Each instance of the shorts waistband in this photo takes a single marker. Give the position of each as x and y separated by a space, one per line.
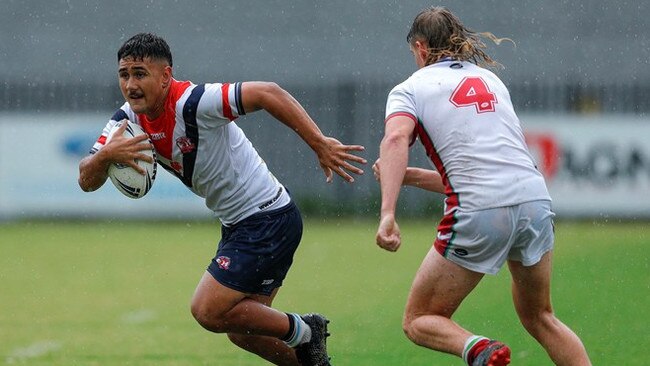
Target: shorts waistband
264 215
272 200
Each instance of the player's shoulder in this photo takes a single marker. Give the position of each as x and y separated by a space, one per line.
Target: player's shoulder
179 90
125 112
422 78
474 69
185 95
406 86
453 72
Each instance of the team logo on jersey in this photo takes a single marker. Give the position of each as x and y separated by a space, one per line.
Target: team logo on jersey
177 166
223 262
185 144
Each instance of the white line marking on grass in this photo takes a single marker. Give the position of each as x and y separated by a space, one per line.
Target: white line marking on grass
34 350
139 316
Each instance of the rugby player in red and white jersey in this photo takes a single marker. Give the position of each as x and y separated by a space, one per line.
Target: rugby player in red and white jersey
192 129
497 207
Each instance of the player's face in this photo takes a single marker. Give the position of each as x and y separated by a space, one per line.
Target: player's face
144 84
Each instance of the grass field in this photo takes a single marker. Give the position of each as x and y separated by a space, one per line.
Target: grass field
115 293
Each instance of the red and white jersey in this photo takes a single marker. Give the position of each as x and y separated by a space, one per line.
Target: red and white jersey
465 119
196 140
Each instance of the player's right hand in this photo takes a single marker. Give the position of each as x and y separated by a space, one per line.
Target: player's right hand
336 157
125 150
388 235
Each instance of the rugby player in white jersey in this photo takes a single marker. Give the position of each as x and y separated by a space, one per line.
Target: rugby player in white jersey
497 207
192 130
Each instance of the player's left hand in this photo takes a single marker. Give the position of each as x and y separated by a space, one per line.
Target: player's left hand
336 157
376 170
388 234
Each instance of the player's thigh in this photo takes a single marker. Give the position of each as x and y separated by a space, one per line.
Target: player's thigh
439 287
265 299
210 293
531 285
214 298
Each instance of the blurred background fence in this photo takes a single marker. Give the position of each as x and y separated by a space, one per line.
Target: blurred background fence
540 97
578 73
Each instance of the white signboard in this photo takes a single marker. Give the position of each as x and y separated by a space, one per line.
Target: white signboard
39 167
595 166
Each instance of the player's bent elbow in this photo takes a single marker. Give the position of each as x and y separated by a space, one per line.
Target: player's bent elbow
90 181
85 186
395 139
91 175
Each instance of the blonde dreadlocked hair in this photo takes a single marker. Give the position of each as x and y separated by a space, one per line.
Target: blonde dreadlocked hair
446 36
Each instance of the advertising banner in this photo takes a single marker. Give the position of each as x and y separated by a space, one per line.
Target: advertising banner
39 167
595 167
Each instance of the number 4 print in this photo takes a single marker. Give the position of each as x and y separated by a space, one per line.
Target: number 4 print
474 91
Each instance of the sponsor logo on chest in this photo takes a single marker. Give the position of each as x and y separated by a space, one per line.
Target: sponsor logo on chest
157 136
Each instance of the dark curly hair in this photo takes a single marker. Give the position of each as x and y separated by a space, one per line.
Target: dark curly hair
144 45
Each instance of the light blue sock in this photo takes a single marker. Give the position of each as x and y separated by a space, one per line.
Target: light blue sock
301 331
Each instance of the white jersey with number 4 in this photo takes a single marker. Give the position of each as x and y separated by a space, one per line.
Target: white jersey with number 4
465 119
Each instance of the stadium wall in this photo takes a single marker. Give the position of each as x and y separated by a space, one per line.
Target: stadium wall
595 167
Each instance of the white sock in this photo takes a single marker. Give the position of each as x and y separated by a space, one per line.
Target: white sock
469 343
301 331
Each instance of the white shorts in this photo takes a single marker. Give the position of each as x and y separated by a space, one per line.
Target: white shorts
481 241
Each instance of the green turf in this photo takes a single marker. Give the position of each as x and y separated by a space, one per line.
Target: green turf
101 293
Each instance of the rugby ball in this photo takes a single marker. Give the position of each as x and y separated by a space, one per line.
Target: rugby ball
125 178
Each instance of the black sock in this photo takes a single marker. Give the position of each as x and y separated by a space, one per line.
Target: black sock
292 327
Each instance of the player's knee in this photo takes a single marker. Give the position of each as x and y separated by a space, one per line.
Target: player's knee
207 317
537 321
408 331
408 328
198 312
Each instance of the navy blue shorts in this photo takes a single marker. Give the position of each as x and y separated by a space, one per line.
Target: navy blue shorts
254 255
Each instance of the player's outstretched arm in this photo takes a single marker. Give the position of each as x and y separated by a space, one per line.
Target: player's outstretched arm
333 156
426 179
93 169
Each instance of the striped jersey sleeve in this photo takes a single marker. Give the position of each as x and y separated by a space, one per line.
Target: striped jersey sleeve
401 102
123 113
221 103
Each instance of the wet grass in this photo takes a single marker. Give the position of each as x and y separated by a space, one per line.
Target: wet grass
116 293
